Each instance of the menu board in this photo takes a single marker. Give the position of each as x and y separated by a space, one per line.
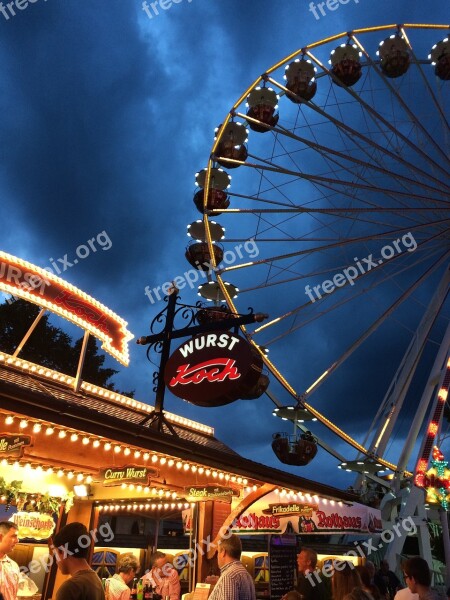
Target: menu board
282 564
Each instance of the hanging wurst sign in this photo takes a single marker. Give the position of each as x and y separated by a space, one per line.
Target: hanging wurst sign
24 280
212 369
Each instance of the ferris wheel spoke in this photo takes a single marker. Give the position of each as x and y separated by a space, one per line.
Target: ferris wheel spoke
326 151
378 117
401 101
375 325
345 242
323 299
414 169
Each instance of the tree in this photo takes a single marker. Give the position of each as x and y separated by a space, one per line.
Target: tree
50 346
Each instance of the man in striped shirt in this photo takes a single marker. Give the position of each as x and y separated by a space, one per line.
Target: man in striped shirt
235 582
9 570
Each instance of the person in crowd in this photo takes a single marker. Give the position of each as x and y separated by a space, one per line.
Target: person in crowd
292 595
418 578
344 581
163 577
387 581
235 582
71 548
308 585
358 593
9 570
126 568
366 581
406 594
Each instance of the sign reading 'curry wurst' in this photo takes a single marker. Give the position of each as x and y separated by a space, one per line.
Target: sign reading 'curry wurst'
127 474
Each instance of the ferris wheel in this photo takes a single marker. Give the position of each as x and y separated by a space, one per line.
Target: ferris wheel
331 176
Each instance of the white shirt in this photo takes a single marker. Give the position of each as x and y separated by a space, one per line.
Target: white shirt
406 594
9 578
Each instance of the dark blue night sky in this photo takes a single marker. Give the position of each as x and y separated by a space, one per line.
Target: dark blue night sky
107 111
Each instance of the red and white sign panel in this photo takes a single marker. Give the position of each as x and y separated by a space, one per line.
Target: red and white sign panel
308 515
212 369
24 280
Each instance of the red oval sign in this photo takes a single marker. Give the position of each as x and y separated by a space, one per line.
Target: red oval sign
212 369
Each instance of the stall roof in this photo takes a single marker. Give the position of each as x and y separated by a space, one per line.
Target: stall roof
43 395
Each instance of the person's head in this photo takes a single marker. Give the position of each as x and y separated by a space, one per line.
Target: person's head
345 579
358 594
371 568
384 566
158 562
127 566
71 545
416 573
293 595
229 549
364 573
306 560
8 537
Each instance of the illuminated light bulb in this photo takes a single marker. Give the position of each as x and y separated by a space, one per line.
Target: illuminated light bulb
131 486
127 451
167 494
70 475
117 449
154 458
139 488
233 479
179 465
61 433
146 489
107 446
96 443
221 475
161 493
49 431
137 454
50 470
239 479
194 468
146 456
171 462
85 441
245 481
186 467
214 474
60 473
227 477
201 470
174 495
39 469
80 477
4 462
208 472
89 479
154 491
36 428
124 486
9 420
162 460
73 437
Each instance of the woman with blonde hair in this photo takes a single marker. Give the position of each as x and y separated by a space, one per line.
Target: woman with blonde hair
346 581
126 568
